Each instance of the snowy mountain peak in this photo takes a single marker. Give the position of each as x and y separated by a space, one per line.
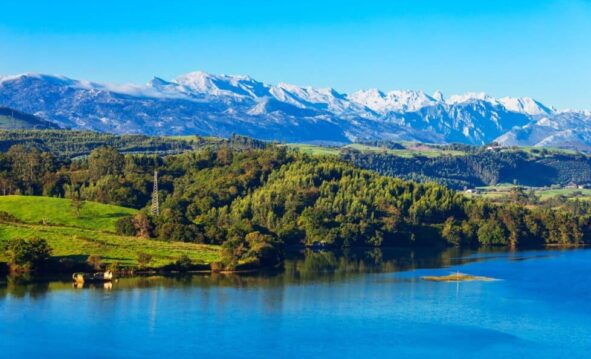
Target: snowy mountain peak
525 105
471 96
397 100
438 96
158 82
198 81
53 79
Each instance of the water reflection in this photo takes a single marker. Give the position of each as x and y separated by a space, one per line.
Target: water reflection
302 266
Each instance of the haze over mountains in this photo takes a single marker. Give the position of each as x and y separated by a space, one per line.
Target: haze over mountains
219 105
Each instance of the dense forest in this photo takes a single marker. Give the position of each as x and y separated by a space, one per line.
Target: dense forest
479 167
64 144
255 199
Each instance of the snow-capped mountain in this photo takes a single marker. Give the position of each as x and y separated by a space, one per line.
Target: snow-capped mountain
219 105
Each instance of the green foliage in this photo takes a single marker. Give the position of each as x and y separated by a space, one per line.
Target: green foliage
26 255
125 227
105 161
491 233
254 247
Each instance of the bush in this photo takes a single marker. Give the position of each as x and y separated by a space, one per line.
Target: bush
125 226
183 264
27 255
253 247
144 259
7 217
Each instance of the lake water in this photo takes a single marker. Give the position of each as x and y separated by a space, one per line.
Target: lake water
357 304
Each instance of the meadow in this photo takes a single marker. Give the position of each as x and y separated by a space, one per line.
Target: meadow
411 150
502 191
93 233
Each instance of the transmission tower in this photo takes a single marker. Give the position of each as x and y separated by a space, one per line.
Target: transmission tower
155 202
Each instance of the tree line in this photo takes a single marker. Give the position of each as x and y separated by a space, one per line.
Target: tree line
479 167
254 199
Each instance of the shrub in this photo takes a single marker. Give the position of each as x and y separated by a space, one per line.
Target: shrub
183 264
144 259
125 227
27 255
7 217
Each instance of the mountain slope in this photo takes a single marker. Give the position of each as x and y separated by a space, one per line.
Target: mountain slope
15 120
220 105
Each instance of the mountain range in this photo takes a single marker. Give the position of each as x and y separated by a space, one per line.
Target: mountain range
220 105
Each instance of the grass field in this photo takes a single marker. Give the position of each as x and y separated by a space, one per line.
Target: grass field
57 211
540 152
92 233
315 149
412 150
502 191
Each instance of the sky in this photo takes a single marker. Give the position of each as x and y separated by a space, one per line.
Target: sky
540 48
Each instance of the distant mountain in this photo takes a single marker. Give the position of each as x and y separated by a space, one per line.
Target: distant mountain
15 120
220 105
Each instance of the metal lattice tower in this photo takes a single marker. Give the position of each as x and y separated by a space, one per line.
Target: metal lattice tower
155 202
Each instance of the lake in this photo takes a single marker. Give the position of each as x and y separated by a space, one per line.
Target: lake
351 304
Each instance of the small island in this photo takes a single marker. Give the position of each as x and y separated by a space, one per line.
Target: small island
457 277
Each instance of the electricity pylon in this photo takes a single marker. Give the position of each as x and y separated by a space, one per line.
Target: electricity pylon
155 202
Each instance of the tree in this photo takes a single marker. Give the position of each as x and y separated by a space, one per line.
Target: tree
76 202
452 232
490 233
142 225
27 255
263 248
75 195
105 161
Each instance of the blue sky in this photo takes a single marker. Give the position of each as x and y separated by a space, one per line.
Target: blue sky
506 48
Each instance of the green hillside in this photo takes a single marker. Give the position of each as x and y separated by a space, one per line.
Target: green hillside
57 211
93 232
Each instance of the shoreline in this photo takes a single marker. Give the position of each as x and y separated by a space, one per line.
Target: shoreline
63 276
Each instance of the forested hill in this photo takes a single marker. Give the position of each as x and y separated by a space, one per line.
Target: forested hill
479 166
255 201
455 166
71 144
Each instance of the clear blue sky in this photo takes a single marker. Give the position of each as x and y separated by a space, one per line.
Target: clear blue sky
539 48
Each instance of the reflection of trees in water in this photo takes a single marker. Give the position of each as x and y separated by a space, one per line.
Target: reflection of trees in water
301 267
21 286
